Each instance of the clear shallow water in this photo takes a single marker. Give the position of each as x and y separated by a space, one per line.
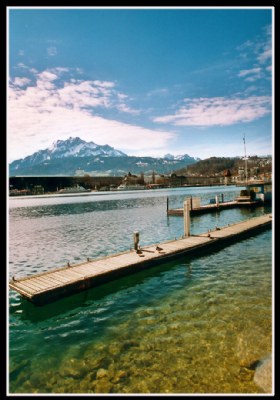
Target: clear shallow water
188 326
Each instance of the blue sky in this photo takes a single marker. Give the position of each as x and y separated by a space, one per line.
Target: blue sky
147 81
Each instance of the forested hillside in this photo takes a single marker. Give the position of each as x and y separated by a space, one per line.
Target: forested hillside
218 165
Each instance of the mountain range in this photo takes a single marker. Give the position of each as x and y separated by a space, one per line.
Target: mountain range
74 157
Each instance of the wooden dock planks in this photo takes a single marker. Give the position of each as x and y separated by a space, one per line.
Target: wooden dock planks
240 227
48 286
214 207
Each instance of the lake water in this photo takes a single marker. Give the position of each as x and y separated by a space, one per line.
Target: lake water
195 325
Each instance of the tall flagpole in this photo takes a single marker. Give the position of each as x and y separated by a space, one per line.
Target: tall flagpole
245 159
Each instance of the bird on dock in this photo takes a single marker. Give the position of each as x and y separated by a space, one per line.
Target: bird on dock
158 248
68 264
140 252
13 278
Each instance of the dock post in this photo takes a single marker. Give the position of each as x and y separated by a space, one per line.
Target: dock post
167 204
222 197
136 240
217 200
187 218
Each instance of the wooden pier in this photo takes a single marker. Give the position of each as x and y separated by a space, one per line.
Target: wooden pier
214 207
49 286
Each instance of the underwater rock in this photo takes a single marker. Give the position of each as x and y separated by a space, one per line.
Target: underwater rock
263 374
101 373
119 376
103 386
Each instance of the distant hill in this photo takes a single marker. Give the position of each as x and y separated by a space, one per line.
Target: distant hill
218 165
74 157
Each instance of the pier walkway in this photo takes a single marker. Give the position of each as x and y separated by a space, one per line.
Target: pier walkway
215 207
60 282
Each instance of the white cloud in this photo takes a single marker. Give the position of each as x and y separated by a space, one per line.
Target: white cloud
22 65
158 92
218 111
259 54
265 55
250 89
104 84
52 51
252 74
124 108
122 96
47 76
51 110
60 70
20 81
246 45
252 78
246 72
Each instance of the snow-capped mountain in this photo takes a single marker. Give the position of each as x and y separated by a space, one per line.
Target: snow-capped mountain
72 147
75 156
178 157
77 147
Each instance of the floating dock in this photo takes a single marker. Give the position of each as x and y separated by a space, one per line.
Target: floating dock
214 207
46 287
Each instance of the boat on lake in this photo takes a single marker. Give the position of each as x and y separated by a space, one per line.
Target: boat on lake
258 191
125 186
74 189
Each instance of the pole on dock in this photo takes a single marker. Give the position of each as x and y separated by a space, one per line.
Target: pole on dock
167 204
222 197
136 240
217 200
187 218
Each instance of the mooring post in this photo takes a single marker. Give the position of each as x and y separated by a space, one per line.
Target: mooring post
167 204
136 240
217 200
222 197
187 218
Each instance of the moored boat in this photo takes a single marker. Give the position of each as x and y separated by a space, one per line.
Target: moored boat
125 186
258 191
74 189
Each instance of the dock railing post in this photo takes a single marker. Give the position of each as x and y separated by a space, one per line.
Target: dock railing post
136 240
187 218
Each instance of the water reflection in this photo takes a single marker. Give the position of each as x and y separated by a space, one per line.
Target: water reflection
28 311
